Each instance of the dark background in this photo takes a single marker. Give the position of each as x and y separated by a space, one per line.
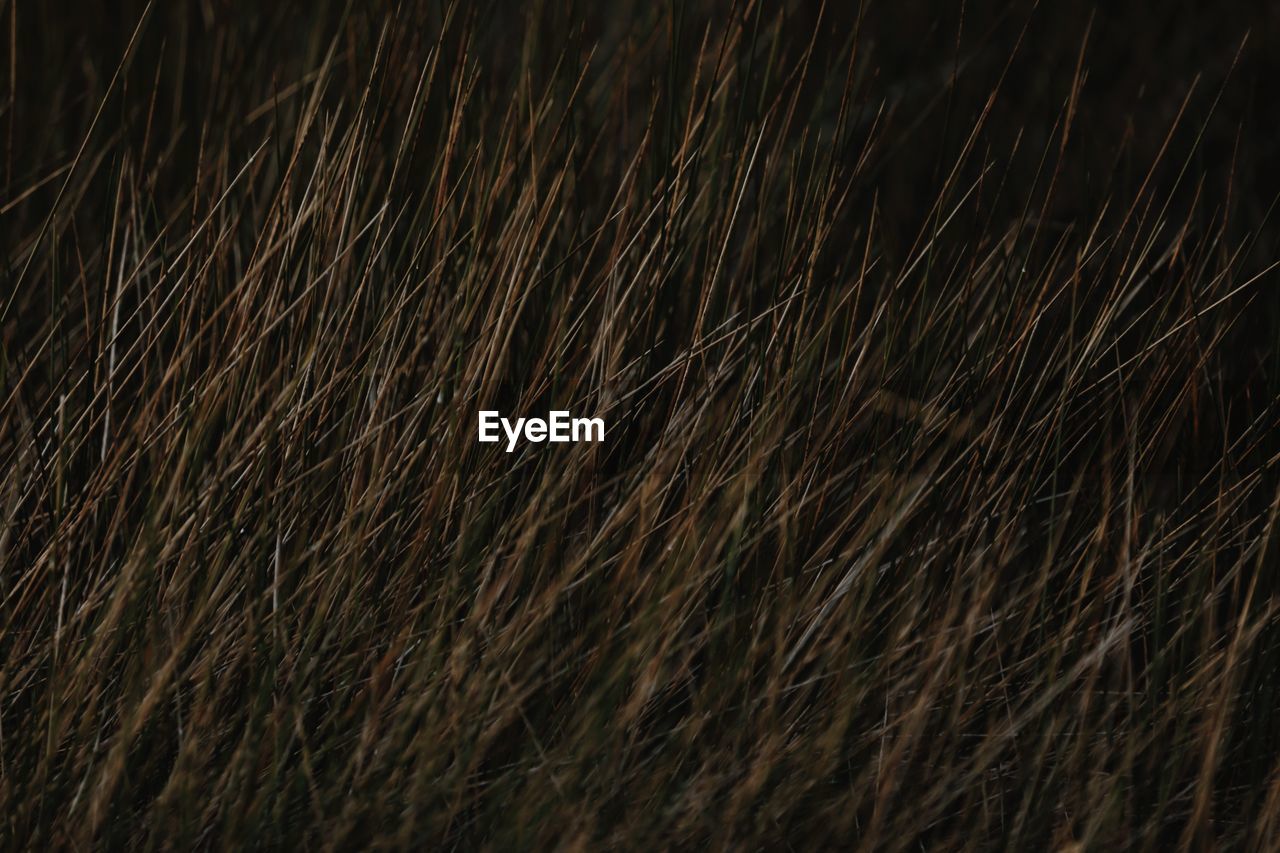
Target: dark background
965 547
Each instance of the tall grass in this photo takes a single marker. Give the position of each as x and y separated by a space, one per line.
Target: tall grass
937 506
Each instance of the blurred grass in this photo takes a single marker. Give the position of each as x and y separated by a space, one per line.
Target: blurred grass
937 507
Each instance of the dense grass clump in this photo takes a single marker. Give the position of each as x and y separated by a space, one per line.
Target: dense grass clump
937 507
